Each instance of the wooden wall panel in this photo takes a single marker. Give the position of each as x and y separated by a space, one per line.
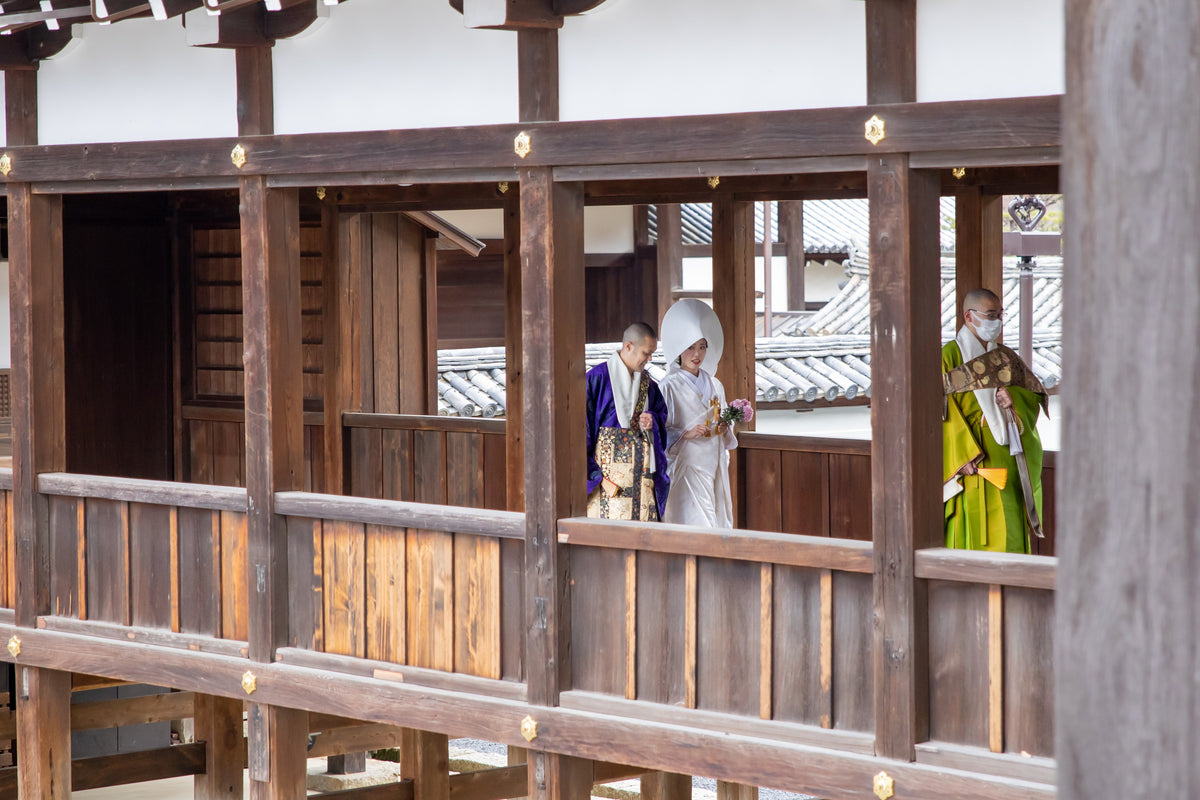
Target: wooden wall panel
200 571
958 662
365 467
760 490
429 467
477 605
1029 671
344 568
495 472
107 547
661 635
235 599
229 453
397 455
464 469
512 609
853 671
306 584
728 615
67 554
199 451
797 690
598 646
430 595
7 545
850 506
385 317
385 590
804 493
152 532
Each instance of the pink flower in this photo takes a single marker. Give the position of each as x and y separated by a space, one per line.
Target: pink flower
738 411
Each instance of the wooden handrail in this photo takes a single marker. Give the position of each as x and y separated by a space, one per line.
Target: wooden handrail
235 413
803 444
402 514
792 550
975 566
419 422
136 490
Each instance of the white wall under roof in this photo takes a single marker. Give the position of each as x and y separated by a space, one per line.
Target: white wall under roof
136 80
388 64
643 58
974 49
606 229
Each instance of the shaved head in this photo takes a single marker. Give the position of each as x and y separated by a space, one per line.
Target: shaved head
976 296
637 333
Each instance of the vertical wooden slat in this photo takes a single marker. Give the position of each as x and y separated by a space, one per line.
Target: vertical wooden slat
173 533
366 465
766 639
762 508
108 584
428 403
385 585
306 587
477 605
150 559
200 566
334 345
661 596
430 596
796 645
804 493
826 652
959 663
66 533
396 452
853 674
44 732
599 579
514 424
235 623
1029 671
906 443
631 615
728 626
669 254
464 469
995 668
344 569
689 632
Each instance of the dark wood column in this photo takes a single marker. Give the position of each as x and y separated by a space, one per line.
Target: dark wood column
906 438
669 249
1127 635
274 461
553 407
255 90
21 106
39 445
733 294
791 231
978 245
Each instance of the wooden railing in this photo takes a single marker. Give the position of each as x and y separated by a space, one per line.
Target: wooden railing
405 583
214 446
760 625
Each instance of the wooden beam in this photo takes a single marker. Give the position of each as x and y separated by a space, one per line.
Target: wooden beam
276 745
255 91
218 723
791 231
906 441
38 389
1124 615
120 769
891 51
733 295
553 402
963 126
44 732
512 15
537 74
21 106
978 244
669 258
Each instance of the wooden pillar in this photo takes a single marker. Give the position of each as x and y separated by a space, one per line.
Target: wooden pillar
219 725
733 294
666 786
43 732
513 419
906 438
21 106
1126 633
791 231
891 51
334 285
553 402
274 462
255 91
978 244
669 248
425 760
537 74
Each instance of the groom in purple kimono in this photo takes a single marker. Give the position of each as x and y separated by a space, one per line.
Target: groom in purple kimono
626 435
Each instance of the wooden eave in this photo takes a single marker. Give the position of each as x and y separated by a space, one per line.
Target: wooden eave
948 134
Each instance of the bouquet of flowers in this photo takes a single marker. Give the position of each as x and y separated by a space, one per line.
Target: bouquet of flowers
737 411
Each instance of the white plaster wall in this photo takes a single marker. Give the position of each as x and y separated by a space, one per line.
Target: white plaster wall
136 80
606 229
640 58
974 49
387 64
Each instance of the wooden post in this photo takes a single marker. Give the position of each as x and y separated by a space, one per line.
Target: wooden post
553 403
537 74
670 255
906 438
20 106
425 760
791 231
1126 630
733 294
666 786
219 725
891 51
44 732
335 351
978 244
255 90
513 423
274 462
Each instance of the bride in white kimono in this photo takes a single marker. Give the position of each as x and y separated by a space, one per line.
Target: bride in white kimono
698 444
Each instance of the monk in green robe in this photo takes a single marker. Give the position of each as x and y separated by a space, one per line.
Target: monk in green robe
984 500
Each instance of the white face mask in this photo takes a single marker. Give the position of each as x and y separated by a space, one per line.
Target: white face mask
988 329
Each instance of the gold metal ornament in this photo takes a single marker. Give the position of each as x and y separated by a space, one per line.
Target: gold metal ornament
714 181
249 682
959 172
5 164
885 787
875 129
503 187
522 145
320 192
529 728
14 646
238 156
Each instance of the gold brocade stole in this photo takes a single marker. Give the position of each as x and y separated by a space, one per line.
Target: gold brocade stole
993 369
621 456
